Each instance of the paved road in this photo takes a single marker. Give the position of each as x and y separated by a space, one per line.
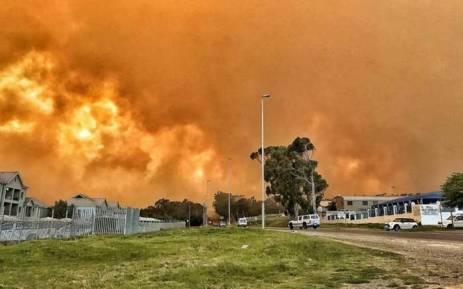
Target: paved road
451 235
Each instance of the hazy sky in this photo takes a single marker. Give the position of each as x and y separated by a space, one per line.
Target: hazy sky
136 100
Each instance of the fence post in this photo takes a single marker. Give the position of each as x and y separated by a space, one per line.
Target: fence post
93 225
125 221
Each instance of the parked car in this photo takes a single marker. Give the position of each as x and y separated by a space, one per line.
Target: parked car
455 221
305 221
401 224
242 222
222 224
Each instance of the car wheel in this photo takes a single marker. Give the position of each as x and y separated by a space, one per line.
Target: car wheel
415 227
304 225
315 227
396 228
450 226
291 226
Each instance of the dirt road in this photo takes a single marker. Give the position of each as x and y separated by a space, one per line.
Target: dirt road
438 256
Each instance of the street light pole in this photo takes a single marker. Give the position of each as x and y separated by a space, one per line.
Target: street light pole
314 203
263 159
229 190
205 204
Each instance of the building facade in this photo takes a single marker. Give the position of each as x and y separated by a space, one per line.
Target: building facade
12 194
359 203
34 208
85 205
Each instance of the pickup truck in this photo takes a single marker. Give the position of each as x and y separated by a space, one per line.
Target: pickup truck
305 221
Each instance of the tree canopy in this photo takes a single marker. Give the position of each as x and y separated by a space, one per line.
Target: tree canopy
166 209
288 173
61 210
453 190
243 207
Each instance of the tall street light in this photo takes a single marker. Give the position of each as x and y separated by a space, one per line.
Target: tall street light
229 190
263 159
205 204
312 184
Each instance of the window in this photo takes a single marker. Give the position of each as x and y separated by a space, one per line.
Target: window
459 218
365 203
16 195
14 210
349 203
9 194
6 209
28 211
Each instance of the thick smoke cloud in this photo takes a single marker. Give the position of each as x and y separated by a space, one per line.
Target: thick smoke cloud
135 100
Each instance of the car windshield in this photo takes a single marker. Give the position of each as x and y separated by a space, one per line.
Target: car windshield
398 220
314 217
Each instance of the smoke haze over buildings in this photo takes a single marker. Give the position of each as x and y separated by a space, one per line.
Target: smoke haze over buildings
136 100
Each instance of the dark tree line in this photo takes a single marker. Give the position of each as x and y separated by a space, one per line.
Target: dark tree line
243 207
166 209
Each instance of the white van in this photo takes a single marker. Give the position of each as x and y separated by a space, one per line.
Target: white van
242 222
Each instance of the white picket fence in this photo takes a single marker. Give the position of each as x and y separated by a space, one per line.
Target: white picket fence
84 222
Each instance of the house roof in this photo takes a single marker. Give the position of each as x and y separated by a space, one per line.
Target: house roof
37 202
82 200
6 177
367 198
431 196
113 204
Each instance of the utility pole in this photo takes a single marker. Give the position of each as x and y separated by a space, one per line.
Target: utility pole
205 204
189 214
229 191
314 202
263 159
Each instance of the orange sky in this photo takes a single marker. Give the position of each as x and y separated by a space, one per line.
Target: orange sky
136 100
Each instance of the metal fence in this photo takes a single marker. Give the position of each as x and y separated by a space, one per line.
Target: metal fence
84 222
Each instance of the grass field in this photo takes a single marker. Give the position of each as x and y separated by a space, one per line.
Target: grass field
196 258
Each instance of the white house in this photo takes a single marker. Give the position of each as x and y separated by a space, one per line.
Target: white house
85 205
34 208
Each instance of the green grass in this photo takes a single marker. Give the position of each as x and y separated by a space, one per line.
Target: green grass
197 258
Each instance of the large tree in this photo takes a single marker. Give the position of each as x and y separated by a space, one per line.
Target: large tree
61 210
290 172
453 190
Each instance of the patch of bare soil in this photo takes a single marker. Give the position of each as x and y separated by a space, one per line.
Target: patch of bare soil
438 263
